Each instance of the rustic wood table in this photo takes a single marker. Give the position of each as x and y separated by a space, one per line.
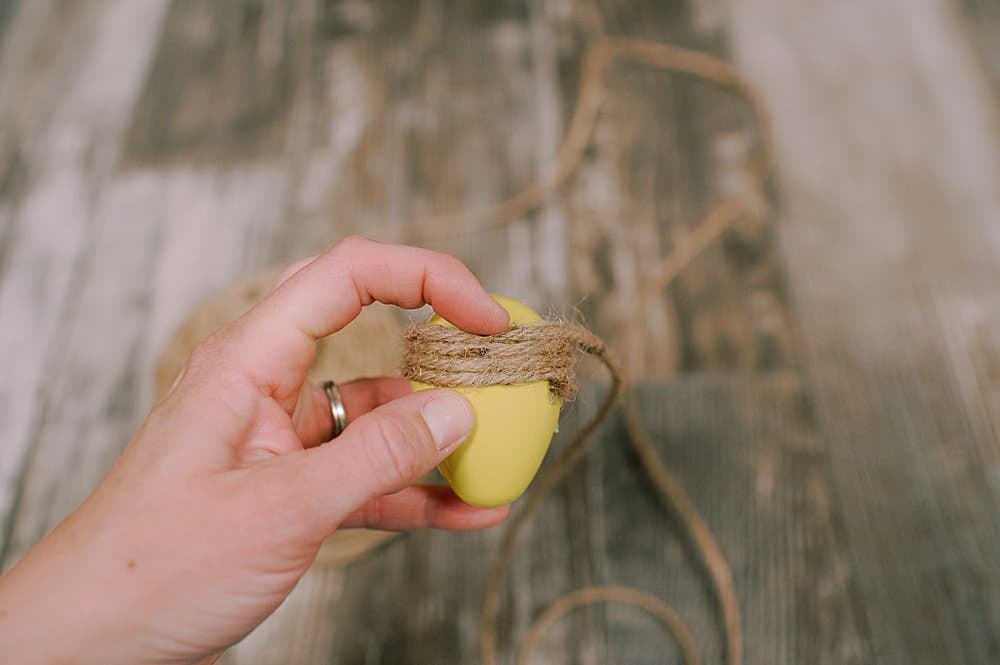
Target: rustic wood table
826 379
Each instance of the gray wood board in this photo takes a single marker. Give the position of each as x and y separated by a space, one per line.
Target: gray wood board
56 276
249 133
892 245
747 451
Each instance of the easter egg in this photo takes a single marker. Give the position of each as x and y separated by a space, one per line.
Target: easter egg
514 426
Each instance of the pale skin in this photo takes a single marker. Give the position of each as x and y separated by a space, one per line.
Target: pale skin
221 501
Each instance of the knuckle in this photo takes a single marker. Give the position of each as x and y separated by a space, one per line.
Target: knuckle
211 362
214 351
395 450
453 263
213 344
205 354
286 273
446 263
351 243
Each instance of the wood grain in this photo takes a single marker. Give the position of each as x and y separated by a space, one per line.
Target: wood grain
666 149
826 380
750 455
47 303
891 244
982 21
220 88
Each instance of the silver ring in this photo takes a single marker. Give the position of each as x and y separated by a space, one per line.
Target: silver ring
337 409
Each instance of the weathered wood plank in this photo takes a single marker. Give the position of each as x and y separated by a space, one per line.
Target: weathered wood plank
379 163
65 161
266 131
210 219
889 231
88 401
666 149
33 61
984 19
220 87
8 10
748 451
193 243
400 110
390 126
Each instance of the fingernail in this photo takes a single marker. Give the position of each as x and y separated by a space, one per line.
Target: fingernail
449 417
502 316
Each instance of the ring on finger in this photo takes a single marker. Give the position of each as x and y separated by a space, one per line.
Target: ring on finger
337 409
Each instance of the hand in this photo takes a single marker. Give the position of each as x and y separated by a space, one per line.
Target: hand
220 503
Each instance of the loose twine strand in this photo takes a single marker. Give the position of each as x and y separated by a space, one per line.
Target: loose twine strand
455 369
597 59
449 357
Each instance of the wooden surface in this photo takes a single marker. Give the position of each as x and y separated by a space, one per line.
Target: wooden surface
826 380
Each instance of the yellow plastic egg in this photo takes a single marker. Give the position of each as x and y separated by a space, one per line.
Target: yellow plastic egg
514 426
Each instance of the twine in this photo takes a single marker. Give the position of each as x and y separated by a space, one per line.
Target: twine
451 358
448 357
601 54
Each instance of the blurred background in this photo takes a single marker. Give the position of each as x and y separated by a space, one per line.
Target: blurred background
825 378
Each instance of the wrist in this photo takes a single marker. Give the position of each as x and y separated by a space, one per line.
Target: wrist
32 618
54 608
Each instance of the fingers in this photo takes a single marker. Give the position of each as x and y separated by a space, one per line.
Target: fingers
275 341
423 506
312 419
382 451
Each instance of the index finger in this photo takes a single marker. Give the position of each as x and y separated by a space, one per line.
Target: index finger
275 341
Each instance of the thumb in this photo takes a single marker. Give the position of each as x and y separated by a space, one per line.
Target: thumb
384 450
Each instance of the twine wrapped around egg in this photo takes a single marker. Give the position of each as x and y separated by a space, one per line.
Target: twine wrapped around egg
448 357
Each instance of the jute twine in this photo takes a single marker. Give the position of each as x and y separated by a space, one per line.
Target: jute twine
450 358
